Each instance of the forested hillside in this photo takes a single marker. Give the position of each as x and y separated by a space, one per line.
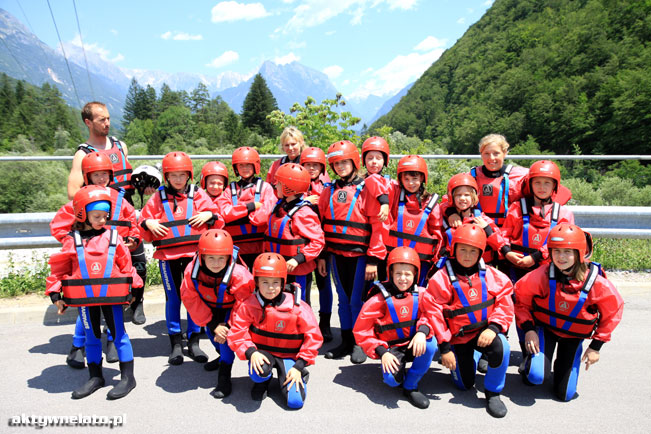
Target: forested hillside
561 71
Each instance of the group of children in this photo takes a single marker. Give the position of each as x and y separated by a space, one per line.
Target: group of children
415 274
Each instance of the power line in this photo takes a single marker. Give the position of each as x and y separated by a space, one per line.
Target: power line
64 54
15 59
90 83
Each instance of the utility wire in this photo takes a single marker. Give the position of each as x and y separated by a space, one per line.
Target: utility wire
12 55
64 54
90 83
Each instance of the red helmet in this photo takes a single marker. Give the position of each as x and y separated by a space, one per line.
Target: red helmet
376 144
412 163
343 150
270 265
246 155
87 195
403 255
213 168
544 168
96 162
568 236
470 234
294 178
314 155
177 162
460 180
216 242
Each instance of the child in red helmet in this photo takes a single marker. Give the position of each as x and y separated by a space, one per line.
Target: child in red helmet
274 328
294 229
173 220
470 309
214 284
354 241
246 205
415 219
90 254
393 327
214 178
559 305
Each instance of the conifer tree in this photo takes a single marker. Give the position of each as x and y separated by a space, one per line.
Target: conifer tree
259 102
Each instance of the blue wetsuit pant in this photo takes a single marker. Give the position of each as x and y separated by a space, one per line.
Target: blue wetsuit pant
90 318
497 354
172 274
348 274
409 378
295 395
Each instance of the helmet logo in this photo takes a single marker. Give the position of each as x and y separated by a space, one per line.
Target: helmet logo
563 305
96 193
267 268
335 153
404 311
559 239
96 267
410 224
280 325
179 211
536 238
472 293
114 158
342 196
487 190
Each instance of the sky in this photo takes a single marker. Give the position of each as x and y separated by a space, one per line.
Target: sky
365 46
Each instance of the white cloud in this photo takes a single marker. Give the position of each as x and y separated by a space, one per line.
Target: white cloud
402 4
461 20
330 32
288 58
103 53
295 45
488 3
226 58
430 43
234 11
333 71
181 36
167 35
114 32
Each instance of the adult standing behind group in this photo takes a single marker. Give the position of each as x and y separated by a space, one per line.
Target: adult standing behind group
96 117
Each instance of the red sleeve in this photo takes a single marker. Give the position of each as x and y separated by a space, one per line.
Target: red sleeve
152 210
610 305
203 202
306 224
312 338
436 297
128 214
496 240
376 247
123 262
242 285
199 311
60 266
516 178
239 338
533 284
500 286
62 222
271 174
435 228
260 216
324 203
229 211
512 227
364 330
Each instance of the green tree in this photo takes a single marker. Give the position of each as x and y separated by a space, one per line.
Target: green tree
130 111
259 103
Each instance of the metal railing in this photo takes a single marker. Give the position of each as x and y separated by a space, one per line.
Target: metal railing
32 230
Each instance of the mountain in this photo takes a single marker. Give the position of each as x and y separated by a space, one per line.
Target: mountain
365 108
185 81
389 103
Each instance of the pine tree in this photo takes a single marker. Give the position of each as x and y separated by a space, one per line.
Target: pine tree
259 102
131 103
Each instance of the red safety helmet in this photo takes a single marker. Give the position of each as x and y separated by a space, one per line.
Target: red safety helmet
412 163
216 242
213 168
460 180
314 155
375 143
403 255
343 150
270 265
87 195
96 162
246 155
470 234
568 236
547 169
177 162
294 178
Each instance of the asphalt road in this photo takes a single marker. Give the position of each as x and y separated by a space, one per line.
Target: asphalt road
614 395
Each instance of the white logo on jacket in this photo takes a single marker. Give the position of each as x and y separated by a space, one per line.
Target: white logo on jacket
96 267
280 325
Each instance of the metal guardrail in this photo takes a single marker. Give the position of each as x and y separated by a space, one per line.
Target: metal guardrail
32 230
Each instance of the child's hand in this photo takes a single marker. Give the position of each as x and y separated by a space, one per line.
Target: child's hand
480 222
390 363
258 205
199 219
313 199
294 376
149 191
257 362
418 343
486 338
514 257
532 343
455 221
384 212
590 357
527 262
61 307
291 265
156 228
371 272
130 243
220 332
321 267
449 360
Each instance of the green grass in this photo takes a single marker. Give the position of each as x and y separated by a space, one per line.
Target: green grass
25 280
623 254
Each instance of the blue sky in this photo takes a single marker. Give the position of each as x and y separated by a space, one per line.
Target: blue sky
365 46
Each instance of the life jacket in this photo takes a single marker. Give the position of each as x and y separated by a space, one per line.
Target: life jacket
534 236
278 333
285 242
345 230
560 307
488 200
398 325
411 229
241 230
463 318
121 167
115 223
180 233
100 284
206 286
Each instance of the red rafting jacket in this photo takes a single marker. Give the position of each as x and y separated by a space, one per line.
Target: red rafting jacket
250 329
64 265
127 222
202 299
441 299
539 226
489 190
219 222
603 302
428 242
375 326
317 185
240 223
365 235
153 209
301 237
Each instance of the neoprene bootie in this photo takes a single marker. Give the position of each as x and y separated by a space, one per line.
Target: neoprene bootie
194 351
111 352
324 326
482 365
176 355
416 398
259 390
344 348
126 383
95 381
494 405
212 365
358 355
76 358
224 385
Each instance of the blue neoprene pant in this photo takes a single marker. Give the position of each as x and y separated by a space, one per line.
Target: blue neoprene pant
296 394
419 367
349 276
90 318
